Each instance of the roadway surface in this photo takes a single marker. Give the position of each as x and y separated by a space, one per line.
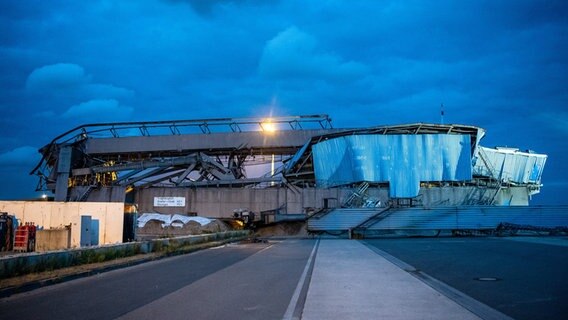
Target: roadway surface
246 281
531 273
323 279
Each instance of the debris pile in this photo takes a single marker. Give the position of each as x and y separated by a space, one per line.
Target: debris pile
156 225
288 228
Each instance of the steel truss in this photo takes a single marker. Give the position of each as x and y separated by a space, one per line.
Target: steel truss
184 153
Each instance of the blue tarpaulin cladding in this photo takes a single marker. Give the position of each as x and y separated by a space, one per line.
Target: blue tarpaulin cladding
401 160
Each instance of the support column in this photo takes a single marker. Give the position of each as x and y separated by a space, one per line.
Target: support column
63 169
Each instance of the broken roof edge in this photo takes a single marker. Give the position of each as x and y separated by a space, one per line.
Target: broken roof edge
411 128
513 150
476 134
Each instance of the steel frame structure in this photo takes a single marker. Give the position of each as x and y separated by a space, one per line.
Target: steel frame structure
182 153
208 153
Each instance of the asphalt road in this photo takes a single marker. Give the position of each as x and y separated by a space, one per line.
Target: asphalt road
239 281
532 278
265 280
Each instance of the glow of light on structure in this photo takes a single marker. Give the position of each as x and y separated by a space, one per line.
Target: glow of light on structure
272 169
272 165
268 126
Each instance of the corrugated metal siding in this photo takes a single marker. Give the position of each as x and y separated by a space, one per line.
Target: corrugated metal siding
341 219
509 165
472 217
401 160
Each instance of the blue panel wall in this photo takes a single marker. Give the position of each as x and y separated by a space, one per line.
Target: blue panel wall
401 160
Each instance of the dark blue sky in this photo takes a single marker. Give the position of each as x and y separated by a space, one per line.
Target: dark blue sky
500 65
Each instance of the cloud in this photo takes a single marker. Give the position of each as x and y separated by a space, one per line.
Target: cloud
98 110
57 76
70 80
295 54
21 157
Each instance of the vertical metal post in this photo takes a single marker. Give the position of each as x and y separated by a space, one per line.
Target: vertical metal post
63 169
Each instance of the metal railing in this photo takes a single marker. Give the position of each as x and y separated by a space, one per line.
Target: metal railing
179 127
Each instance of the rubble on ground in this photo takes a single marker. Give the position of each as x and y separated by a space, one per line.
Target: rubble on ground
292 228
155 225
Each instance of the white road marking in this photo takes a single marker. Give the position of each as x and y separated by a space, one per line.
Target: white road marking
296 296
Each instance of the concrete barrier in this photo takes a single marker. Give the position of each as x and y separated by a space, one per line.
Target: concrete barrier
53 239
21 264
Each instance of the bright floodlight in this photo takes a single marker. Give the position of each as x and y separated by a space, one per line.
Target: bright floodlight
269 126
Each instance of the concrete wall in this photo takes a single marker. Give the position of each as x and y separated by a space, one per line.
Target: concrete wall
54 215
220 202
513 196
213 202
452 196
457 196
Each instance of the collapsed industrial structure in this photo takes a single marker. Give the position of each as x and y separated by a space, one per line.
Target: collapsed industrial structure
284 167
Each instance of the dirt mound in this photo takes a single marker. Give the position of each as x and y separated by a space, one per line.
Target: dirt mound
291 228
